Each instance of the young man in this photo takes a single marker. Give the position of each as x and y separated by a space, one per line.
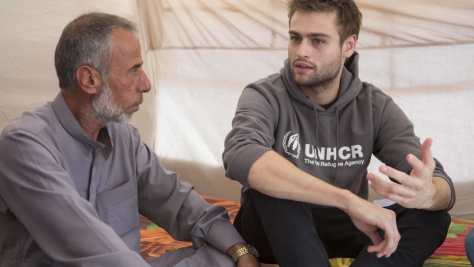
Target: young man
301 143
74 175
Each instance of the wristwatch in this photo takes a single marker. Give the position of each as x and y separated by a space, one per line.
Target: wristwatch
244 250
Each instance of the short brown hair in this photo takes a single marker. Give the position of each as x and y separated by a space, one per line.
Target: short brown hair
349 16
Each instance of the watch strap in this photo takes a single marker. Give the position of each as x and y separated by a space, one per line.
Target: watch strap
244 250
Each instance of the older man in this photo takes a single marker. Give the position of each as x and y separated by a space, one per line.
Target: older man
74 175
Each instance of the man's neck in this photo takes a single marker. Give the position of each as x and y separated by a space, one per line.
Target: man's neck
92 128
82 110
322 95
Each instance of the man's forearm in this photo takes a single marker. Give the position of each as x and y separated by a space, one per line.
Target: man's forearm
273 175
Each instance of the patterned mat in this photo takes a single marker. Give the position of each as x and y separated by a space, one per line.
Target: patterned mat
154 241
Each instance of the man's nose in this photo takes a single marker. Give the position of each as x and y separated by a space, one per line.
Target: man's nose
145 85
303 49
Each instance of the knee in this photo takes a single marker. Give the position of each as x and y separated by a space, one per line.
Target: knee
470 237
268 205
275 211
469 242
445 218
430 226
440 219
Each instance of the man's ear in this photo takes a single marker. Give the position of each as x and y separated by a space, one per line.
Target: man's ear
349 46
88 79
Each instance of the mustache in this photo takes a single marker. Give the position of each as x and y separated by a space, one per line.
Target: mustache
302 60
139 101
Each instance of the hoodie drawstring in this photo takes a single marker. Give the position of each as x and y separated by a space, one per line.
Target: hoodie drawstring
317 130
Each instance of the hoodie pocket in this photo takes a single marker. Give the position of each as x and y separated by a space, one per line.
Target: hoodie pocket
118 208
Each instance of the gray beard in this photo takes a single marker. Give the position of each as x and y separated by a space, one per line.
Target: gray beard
105 108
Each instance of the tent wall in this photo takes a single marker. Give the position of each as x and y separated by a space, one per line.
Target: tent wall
29 33
206 52
200 54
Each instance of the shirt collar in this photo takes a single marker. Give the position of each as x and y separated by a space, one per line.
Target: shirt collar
72 126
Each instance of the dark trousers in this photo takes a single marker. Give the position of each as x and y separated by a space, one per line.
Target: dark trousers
296 234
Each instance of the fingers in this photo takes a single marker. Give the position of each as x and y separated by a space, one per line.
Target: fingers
379 243
368 218
426 155
388 194
380 250
427 160
388 189
426 163
414 188
379 185
392 237
401 177
385 248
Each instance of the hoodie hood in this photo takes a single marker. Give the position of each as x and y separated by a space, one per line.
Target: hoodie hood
349 87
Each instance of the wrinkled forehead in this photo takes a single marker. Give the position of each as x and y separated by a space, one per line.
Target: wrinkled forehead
125 53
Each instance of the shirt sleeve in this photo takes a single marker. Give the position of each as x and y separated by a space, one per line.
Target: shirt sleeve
42 197
181 211
251 135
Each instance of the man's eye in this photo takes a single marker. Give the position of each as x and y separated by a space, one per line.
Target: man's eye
318 41
295 39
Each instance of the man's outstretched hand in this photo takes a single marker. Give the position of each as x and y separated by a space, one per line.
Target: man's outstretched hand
419 189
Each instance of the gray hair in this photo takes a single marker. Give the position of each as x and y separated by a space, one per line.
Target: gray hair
87 40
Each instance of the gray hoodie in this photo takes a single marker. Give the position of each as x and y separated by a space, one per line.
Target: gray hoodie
334 145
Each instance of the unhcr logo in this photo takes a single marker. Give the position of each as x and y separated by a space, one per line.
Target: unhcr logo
291 144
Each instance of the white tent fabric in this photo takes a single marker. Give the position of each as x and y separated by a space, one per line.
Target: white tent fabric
29 32
200 54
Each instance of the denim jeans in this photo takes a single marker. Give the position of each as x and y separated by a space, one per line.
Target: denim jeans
470 246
